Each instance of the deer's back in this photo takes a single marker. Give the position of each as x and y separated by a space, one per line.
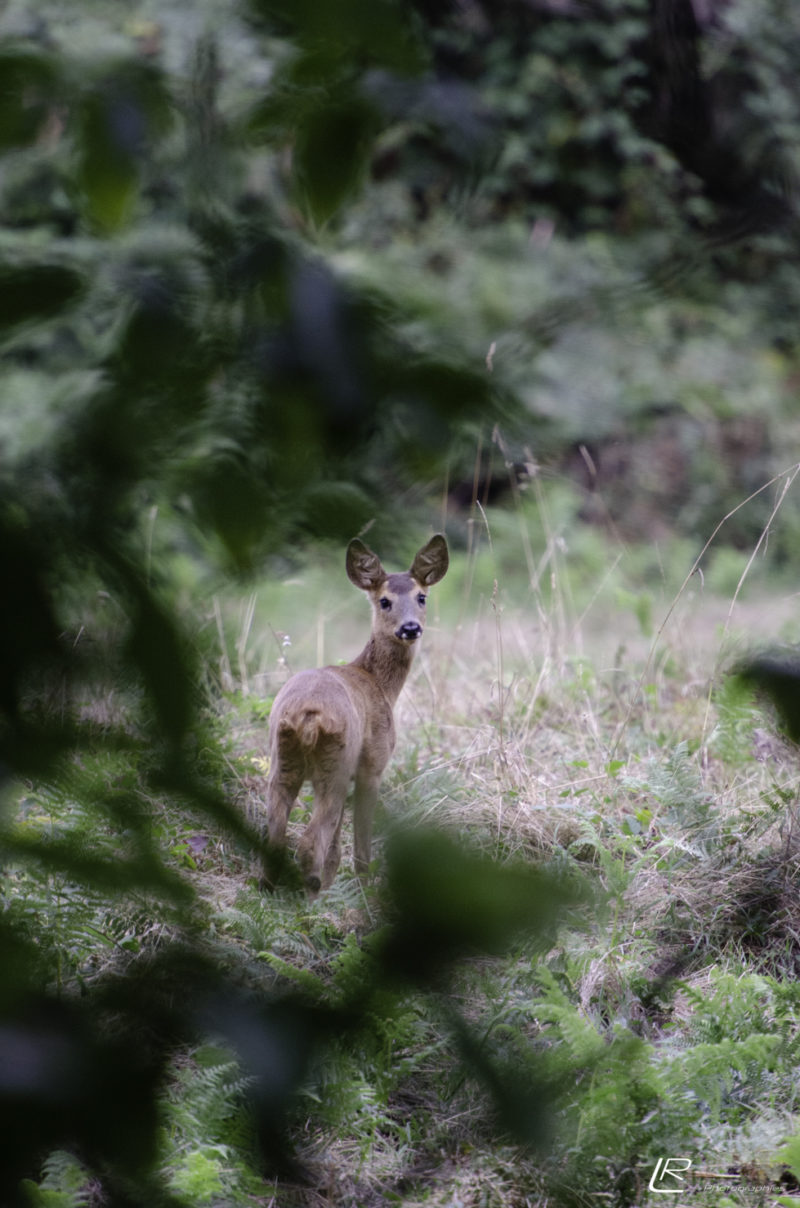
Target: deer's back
342 707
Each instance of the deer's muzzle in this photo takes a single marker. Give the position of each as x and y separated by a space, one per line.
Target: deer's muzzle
409 632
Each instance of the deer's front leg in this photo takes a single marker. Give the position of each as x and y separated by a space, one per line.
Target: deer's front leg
365 799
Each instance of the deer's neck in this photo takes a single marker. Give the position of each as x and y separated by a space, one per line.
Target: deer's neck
389 663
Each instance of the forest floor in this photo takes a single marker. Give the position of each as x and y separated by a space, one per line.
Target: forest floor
598 729
571 721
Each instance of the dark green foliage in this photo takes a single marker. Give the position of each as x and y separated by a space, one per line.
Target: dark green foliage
775 676
623 110
30 84
451 903
319 100
120 114
36 291
330 154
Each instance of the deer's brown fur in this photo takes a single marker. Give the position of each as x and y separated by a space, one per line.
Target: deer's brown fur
335 725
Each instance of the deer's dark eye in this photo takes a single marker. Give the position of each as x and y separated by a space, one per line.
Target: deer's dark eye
421 599
385 603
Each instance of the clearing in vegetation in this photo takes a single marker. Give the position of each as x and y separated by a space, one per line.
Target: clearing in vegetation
575 719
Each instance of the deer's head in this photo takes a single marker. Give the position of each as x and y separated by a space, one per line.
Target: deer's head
398 601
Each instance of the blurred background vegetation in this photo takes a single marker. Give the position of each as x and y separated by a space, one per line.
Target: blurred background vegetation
272 273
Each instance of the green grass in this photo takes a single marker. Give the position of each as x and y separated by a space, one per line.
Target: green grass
564 709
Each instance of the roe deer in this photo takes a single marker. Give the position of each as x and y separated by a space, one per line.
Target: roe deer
335 724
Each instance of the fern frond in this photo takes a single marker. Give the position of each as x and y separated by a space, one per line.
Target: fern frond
64 1184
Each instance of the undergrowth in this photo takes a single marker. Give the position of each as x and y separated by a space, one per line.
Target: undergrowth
661 1021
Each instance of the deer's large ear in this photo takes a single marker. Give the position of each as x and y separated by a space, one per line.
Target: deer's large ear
431 563
363 567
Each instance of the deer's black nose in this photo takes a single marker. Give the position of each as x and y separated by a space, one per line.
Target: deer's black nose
409 632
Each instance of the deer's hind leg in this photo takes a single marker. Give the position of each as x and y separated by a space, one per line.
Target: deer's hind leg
319 850
334 857
286 776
